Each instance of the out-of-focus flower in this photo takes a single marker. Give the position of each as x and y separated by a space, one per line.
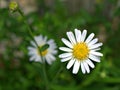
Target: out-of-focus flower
13 6
47 54
80 52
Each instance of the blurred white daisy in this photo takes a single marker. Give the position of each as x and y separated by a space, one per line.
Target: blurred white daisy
80 52
47 54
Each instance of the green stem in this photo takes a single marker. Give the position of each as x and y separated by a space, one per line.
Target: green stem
32 36
29 29
58 72
45 77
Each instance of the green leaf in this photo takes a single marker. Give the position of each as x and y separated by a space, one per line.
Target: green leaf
69 87
44 47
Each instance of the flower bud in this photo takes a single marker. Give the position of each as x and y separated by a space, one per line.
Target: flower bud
13 6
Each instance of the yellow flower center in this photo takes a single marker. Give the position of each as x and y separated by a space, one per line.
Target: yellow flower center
43 52
80 51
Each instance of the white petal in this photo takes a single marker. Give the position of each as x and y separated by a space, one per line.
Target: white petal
33 44
32 53
38 59
48 60
71 37
95 45
64 55
83 35
96 49
76 67
65 49
67 43
71 62
82 68
51 57
86 67
31 48
90 63
94 58
37 39
32 58
93 42
66 59
53 51
51 41
96 53
45 38
78 35
40 37
52 46
90 37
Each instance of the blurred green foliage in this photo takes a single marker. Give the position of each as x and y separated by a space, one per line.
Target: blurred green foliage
18 73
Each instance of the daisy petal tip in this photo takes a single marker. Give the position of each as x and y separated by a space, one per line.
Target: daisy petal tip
101 44
84 30
99 61
93 67
96 39
74 72
68 32
62 39
83 72
59 56
59 48
30 59
75 29
92 34
88 72
68 67
29 48
101 55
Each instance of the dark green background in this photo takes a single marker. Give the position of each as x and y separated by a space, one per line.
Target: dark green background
18 73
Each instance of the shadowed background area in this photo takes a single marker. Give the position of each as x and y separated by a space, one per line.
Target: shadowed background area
53 18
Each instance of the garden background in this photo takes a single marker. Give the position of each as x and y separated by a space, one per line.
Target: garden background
53 18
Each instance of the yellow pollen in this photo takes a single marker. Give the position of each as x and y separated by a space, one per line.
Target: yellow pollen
80 51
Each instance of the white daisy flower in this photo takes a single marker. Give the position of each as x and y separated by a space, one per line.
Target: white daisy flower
47 54
80 52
